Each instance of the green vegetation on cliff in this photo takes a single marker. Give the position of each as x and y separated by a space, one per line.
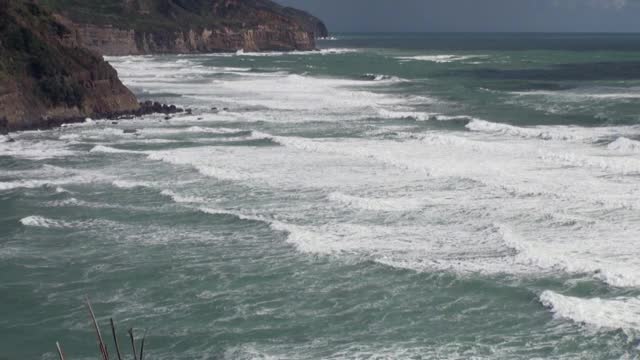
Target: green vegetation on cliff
154 15
27 55
45 73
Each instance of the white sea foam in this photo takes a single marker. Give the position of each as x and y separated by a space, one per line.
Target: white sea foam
624 166
545 133
485 161
563 194
307 240
293 92
269 74
66 202
242 53
74 177
440 58
417 248
372 350
92 133
112 150
197 157
234 213
39 149
331 147
198 129
331 51
129 184
444 248
334 99
43 222
377 204
415 156
595 258
624 145
382 77
70 137
148 141
332 239
584 94
48 223
183 198
187 130
558 132
26 184
619 313
88 122
531 257
420 116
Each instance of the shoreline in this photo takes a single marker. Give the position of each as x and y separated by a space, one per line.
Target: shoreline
146 108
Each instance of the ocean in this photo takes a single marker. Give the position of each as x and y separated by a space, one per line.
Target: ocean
391 196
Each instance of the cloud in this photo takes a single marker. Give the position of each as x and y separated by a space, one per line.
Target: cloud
611 3
606 4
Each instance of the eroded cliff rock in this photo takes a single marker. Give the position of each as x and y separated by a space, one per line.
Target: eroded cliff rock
46 77
132 27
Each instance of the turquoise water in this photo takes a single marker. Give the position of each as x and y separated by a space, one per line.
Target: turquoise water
393 196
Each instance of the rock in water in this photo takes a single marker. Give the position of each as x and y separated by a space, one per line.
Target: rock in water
46 76
193 26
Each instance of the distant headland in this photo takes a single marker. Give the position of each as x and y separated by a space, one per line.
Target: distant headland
52 70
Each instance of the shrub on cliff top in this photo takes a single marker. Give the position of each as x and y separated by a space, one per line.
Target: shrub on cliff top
61 91
29 47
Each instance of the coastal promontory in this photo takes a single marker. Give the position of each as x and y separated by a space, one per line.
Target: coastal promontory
133 27
51 65
47 77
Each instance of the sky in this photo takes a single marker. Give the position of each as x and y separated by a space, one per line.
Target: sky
475 15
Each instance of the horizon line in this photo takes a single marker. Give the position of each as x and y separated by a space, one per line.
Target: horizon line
485 32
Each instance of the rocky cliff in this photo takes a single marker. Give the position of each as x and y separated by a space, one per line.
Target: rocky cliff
46 77
131 27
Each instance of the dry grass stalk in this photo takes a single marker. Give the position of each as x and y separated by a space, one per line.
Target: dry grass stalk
115 338
60 352
102 345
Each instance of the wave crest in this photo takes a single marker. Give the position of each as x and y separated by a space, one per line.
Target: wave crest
440 58
624 145
43 222
375 204
620 313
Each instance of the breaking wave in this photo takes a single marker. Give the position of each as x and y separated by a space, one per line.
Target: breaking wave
112 150
619 313
178 198
510 130
440 58
380 77
330 51
624 145
128 184
550 257
35 149
560 133
374 204
43 222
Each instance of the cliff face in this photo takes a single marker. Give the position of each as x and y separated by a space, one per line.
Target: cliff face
310 23
131 27
46 77
109 40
